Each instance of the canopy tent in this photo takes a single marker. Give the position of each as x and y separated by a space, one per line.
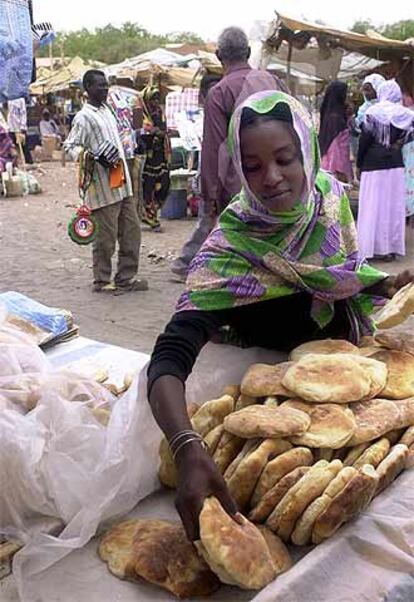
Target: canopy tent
329 53
63 76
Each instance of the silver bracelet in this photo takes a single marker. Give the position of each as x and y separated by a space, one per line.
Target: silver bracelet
184 443
185 433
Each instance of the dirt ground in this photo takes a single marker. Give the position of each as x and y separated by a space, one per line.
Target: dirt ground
40 260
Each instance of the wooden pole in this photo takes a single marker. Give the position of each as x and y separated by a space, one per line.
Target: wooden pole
289 67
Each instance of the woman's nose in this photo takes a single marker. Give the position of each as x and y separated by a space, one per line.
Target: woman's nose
273 175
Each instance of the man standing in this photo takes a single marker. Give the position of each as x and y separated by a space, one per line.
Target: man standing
109 195
219 179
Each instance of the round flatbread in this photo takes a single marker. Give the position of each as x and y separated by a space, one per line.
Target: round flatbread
374 454
397 309
400 378
159 552
391 466
335 378
290 508
262 380
266 421
324 347
378 373
331 425
243 478
373 419
278 468
302 533
398 341
237 553
352 499
272 497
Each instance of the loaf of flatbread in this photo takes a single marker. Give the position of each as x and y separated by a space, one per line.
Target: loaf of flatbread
332 425
335 378
271 498
351 499
302 533
212 413
297 499
277 468
323 347
397 341
159 552
237 553
397 309
400 379
374 454
264 421
373 419
261 380
391 466
242 480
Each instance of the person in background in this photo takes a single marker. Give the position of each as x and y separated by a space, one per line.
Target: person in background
126 109
17 124
156 171
381 209
48 127
334 135
95 138
8 152
206 219
219 179
280 268
370 87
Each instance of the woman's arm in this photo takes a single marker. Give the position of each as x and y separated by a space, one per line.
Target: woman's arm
391 284
174 355
365 140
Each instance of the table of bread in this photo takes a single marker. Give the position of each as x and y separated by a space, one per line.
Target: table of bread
304 447
309 449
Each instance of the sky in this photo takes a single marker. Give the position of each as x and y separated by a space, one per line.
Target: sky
208 17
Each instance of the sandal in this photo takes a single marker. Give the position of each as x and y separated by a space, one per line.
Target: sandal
137 285
104 288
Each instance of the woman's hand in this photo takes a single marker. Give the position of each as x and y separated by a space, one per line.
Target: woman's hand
198 478
395 283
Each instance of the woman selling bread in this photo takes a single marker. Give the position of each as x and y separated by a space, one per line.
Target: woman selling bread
280 268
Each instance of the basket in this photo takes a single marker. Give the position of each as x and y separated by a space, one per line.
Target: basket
175 207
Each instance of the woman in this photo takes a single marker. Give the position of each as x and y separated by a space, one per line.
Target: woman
8 152
334 136
156 173
281 267
382 195
370 87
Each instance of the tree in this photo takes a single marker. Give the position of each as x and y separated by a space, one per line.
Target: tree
111 44
402 30
362 26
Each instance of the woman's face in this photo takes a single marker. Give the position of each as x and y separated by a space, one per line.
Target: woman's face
369 92
272 164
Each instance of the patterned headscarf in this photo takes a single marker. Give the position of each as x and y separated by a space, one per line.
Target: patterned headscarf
387 112
255 254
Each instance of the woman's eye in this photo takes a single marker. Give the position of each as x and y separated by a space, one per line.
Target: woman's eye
251 168
286 160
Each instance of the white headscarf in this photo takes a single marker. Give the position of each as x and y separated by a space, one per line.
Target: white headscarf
387 112
375 79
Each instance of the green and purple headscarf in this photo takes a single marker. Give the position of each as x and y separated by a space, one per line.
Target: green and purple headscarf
255 254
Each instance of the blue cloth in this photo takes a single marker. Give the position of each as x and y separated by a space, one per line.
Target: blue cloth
16 49
49 319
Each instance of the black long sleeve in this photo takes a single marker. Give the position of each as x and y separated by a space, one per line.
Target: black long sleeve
177 348
281 324
373 156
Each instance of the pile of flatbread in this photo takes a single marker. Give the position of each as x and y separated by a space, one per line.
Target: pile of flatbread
303 446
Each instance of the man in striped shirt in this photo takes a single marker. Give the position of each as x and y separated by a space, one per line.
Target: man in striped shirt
95 130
